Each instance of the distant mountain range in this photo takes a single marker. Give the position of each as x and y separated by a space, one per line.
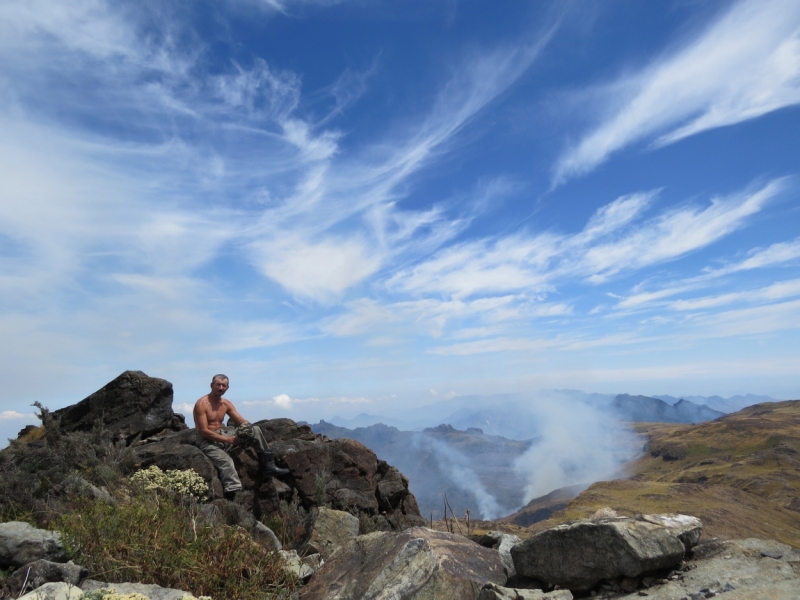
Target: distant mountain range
726 405
513 415
654 410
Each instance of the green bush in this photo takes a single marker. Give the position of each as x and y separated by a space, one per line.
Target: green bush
34 469
155 539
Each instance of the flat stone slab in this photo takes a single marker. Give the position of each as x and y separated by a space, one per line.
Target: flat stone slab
732 570
417 564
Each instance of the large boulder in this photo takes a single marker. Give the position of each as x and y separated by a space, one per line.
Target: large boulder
579 555
327 531
131 406
37 573
416 564
21 543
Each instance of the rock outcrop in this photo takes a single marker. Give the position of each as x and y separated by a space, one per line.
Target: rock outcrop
579 555
21 543
731 570
327 531
341 473
35 574
416 564
131 406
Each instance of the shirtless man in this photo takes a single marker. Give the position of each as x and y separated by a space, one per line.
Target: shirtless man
216 441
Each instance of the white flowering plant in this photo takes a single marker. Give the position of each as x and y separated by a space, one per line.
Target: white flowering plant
186 482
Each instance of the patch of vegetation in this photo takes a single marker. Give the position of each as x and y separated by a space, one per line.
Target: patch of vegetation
290 526
154 538
184 483
34 469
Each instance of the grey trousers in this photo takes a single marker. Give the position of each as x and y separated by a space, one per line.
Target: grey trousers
217 452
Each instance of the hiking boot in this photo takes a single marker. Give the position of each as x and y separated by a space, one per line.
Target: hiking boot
268 466
232 495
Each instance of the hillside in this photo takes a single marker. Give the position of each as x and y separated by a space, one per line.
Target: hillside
740 474
475 470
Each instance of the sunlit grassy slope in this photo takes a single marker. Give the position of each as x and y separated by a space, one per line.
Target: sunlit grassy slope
740 474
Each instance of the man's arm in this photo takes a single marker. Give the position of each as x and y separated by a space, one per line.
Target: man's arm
201 422
233 414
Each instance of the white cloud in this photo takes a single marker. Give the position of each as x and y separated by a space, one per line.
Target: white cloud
282 401
745 64
775 254
612 241
12 415
776 291
678 232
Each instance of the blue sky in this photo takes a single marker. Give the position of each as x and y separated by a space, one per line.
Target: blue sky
363 206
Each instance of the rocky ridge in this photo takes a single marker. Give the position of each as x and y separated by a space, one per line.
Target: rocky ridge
607 556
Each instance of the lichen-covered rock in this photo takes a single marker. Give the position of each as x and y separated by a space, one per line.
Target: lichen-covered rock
491 591
131 406
302 567
35 574
578 555
21 543
54 591
149 591
327 531
417 564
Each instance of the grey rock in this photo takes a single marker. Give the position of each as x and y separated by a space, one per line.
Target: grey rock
491 591
153 592
265 536
417 564
131 406
37 573
78 486
328 530
302 567
735 570
21 543
54 591
687 529
502 542
580 554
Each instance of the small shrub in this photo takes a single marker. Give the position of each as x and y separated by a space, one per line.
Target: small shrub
289 527
185 483
320 487
154 539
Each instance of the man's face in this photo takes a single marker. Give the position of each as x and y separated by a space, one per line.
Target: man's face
219 387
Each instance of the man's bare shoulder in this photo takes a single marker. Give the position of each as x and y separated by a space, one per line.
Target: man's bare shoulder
201 401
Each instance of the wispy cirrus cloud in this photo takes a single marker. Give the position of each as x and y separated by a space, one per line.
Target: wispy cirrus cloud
744 65
617 238
778 254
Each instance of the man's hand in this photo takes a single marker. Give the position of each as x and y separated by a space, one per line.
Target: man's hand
234 441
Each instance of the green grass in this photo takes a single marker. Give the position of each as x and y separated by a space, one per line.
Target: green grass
153 538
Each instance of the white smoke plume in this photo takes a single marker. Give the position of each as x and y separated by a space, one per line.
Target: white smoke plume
456 467
578 444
